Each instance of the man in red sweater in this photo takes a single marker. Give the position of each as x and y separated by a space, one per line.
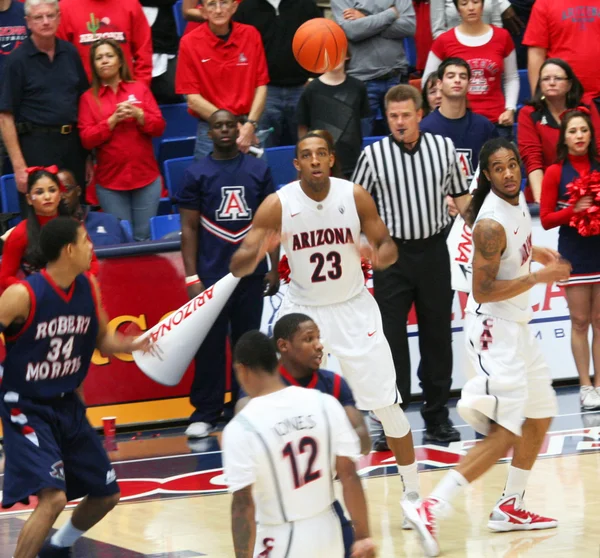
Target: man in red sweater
85 21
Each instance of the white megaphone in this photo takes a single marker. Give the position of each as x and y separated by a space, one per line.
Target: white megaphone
176 339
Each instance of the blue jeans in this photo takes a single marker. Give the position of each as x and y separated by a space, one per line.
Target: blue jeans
135 206
204 144
280 114
376 90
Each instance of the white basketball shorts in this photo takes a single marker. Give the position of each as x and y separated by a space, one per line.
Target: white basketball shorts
318 537
512 380
352 331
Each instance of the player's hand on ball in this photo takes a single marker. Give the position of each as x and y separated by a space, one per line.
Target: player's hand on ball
364 548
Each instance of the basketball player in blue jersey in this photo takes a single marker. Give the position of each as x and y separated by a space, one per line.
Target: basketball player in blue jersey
52 322
217 200
298 342
319 220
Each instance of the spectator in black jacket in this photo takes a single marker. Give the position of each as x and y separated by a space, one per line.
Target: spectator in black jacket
277 21
165 44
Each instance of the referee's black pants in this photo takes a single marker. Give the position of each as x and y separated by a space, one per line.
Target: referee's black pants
420 276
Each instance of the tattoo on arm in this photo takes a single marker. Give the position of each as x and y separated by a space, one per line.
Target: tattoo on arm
489 242
243 524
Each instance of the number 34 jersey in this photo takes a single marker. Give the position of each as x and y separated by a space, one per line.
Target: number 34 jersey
50 354
321 241
285 445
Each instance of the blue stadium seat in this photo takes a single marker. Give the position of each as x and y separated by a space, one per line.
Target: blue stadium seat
180 124
126 226
281 162
174 148
180 22
9 197
371 139
410 48
163 225
524 89
174 169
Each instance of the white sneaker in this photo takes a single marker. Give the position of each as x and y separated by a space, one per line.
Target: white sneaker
415 499
199 430
589 397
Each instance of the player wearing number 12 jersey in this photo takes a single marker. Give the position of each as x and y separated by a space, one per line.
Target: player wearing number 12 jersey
319 221
53 321
281 454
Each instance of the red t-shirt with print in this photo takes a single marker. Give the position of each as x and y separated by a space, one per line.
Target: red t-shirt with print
487 66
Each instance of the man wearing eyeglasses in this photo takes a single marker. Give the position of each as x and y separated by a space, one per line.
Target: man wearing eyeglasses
222 65
39 95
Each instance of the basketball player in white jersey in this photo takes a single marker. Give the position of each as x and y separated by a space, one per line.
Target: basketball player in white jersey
281 454
319 222
510 399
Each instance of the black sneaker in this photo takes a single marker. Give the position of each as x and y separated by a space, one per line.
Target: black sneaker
51 551
444 432
380 443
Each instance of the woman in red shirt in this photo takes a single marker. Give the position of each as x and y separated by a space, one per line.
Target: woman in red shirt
118 117
577 156
21 249
490 52
558 89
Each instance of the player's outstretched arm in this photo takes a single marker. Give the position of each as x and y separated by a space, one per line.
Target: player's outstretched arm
14 305
263 238
354 498
382 250
111 343
358 423
489 240
243 523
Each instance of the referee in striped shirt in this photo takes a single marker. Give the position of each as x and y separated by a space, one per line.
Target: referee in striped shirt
409 174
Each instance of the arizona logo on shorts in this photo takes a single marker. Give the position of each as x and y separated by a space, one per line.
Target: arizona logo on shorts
57 470
233 204
268 547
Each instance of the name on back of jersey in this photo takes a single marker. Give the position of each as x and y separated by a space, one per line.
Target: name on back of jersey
320 237
302 422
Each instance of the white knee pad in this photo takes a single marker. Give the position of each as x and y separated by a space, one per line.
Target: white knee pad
394 421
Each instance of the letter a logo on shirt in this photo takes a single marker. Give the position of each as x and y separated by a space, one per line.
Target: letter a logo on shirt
233 205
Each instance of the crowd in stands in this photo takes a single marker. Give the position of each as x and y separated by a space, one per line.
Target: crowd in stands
82 84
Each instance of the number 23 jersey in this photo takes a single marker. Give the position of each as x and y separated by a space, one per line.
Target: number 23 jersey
321 241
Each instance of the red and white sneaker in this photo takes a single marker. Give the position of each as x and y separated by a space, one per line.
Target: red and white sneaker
422 517
509 515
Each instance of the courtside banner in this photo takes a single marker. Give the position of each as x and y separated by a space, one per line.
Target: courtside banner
175 340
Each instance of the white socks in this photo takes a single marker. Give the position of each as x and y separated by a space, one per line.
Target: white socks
516 481
410 477
447 489
66 535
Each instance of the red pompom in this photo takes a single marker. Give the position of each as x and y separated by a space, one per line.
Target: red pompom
586 222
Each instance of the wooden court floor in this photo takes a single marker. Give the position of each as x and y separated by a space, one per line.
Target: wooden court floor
174 505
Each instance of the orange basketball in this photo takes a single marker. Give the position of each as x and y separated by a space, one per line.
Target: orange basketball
320 45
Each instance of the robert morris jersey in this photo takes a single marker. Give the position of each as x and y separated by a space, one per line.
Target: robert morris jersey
51 353
516 258
227 195
285 445
321 241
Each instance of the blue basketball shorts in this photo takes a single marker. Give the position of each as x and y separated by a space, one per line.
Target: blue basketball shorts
51 444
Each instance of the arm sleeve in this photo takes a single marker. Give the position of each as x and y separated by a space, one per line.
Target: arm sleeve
93 129
346 398
262 72
11 88
433 63
239 463
511 80
365 27
363 173
84 83
189 194
154 123
14 249
456 182
549 215
405 25
141 46
186 80
530 143
345 442
303 108
536 34
437 16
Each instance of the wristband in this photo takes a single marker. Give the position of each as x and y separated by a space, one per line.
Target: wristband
191 280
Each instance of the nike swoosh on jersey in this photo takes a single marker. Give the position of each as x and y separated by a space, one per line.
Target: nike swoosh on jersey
205 59
516 231
370 334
